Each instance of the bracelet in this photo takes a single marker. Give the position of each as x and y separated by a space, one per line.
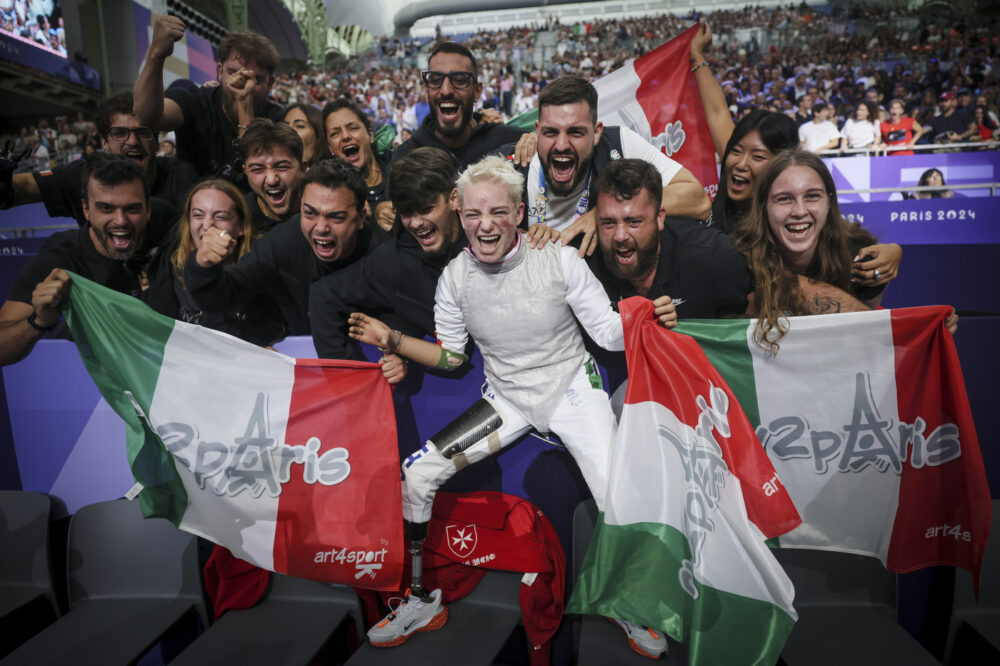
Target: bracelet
242 127
38 327
703 63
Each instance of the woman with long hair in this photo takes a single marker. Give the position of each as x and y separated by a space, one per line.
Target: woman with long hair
861 129
307 122
213 206
932 178
745 150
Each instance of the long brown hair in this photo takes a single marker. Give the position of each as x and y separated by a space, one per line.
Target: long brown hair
776 286
186 243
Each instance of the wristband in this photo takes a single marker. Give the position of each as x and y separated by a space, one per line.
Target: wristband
38 327
242 127
395 340
703 63
450 360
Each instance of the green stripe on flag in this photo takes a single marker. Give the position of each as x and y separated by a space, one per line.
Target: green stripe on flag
725 344
525 121
121 342
631 573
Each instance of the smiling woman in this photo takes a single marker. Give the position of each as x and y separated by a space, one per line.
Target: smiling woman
795 229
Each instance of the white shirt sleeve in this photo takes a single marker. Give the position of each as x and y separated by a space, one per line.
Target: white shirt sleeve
634 146
590 303
449 323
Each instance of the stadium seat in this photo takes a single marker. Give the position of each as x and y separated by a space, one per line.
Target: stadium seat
27 597
292 624
598 640
478 627
130 581
974 630
847 612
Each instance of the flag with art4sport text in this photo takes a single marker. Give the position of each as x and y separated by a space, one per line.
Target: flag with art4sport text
291 464
657 97
680 545
866 419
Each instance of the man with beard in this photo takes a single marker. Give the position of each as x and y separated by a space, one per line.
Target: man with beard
573 148
328 235
397 281
452 86
110 249
209 121
121 133
645 252
272 160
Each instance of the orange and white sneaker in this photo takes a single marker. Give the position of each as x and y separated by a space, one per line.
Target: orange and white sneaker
410 616
647 642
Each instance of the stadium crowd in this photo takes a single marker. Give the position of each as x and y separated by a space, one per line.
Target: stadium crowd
272 217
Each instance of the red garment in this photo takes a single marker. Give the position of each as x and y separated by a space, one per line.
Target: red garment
896 134
470 532
232 583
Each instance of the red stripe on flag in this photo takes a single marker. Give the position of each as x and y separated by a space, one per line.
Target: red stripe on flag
350 531
671 369
668 93
944 509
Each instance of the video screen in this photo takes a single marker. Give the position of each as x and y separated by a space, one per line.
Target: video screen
35 22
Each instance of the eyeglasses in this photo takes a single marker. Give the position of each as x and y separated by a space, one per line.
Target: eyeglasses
122 133
459 80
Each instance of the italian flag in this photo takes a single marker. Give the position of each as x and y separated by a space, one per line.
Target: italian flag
291 464
680 545
866 420
657 97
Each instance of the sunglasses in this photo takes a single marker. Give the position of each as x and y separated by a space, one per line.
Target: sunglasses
459 80
122 133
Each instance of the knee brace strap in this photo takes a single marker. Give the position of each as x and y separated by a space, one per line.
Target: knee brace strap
478 422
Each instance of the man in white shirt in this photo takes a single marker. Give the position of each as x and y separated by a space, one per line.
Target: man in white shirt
819 134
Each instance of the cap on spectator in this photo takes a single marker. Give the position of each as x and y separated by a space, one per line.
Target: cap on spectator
964 91
945 96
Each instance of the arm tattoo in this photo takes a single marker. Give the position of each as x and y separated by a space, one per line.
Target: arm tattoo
825 304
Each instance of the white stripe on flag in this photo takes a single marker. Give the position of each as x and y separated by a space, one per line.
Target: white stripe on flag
797 402
240 370
617 104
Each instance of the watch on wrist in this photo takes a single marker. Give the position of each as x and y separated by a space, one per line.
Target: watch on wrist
38 327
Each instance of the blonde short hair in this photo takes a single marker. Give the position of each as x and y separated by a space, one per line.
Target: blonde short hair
492 169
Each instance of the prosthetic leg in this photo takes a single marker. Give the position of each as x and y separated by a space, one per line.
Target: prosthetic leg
444 455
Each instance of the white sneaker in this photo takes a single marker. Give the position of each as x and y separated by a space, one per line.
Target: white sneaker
647 642
411 616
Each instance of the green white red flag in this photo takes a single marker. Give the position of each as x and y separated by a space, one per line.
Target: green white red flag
291 464
866 419
657 97
680 545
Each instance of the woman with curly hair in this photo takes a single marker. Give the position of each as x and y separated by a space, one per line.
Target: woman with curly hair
795 235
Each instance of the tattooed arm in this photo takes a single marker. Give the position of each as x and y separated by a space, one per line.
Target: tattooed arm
822 298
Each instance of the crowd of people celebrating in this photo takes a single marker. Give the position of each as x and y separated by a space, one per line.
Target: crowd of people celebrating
278 218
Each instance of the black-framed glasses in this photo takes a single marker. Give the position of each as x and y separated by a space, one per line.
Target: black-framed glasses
121 133
459 80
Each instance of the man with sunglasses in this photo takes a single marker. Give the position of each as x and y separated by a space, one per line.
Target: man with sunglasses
121 134
452 86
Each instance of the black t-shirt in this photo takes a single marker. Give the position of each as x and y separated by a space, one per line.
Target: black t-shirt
261 222
957 122
700 271
281 264
206 137
61 188
485 138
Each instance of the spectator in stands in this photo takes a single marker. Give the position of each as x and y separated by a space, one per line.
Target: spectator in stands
862 129
646 252
804 109
819 134
328 235
209 120
952 126
349 136
573 148
110 249
307 122
987 126
167 148
796 238
932 178
396 282
120 134
900 130
272 161
214 206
